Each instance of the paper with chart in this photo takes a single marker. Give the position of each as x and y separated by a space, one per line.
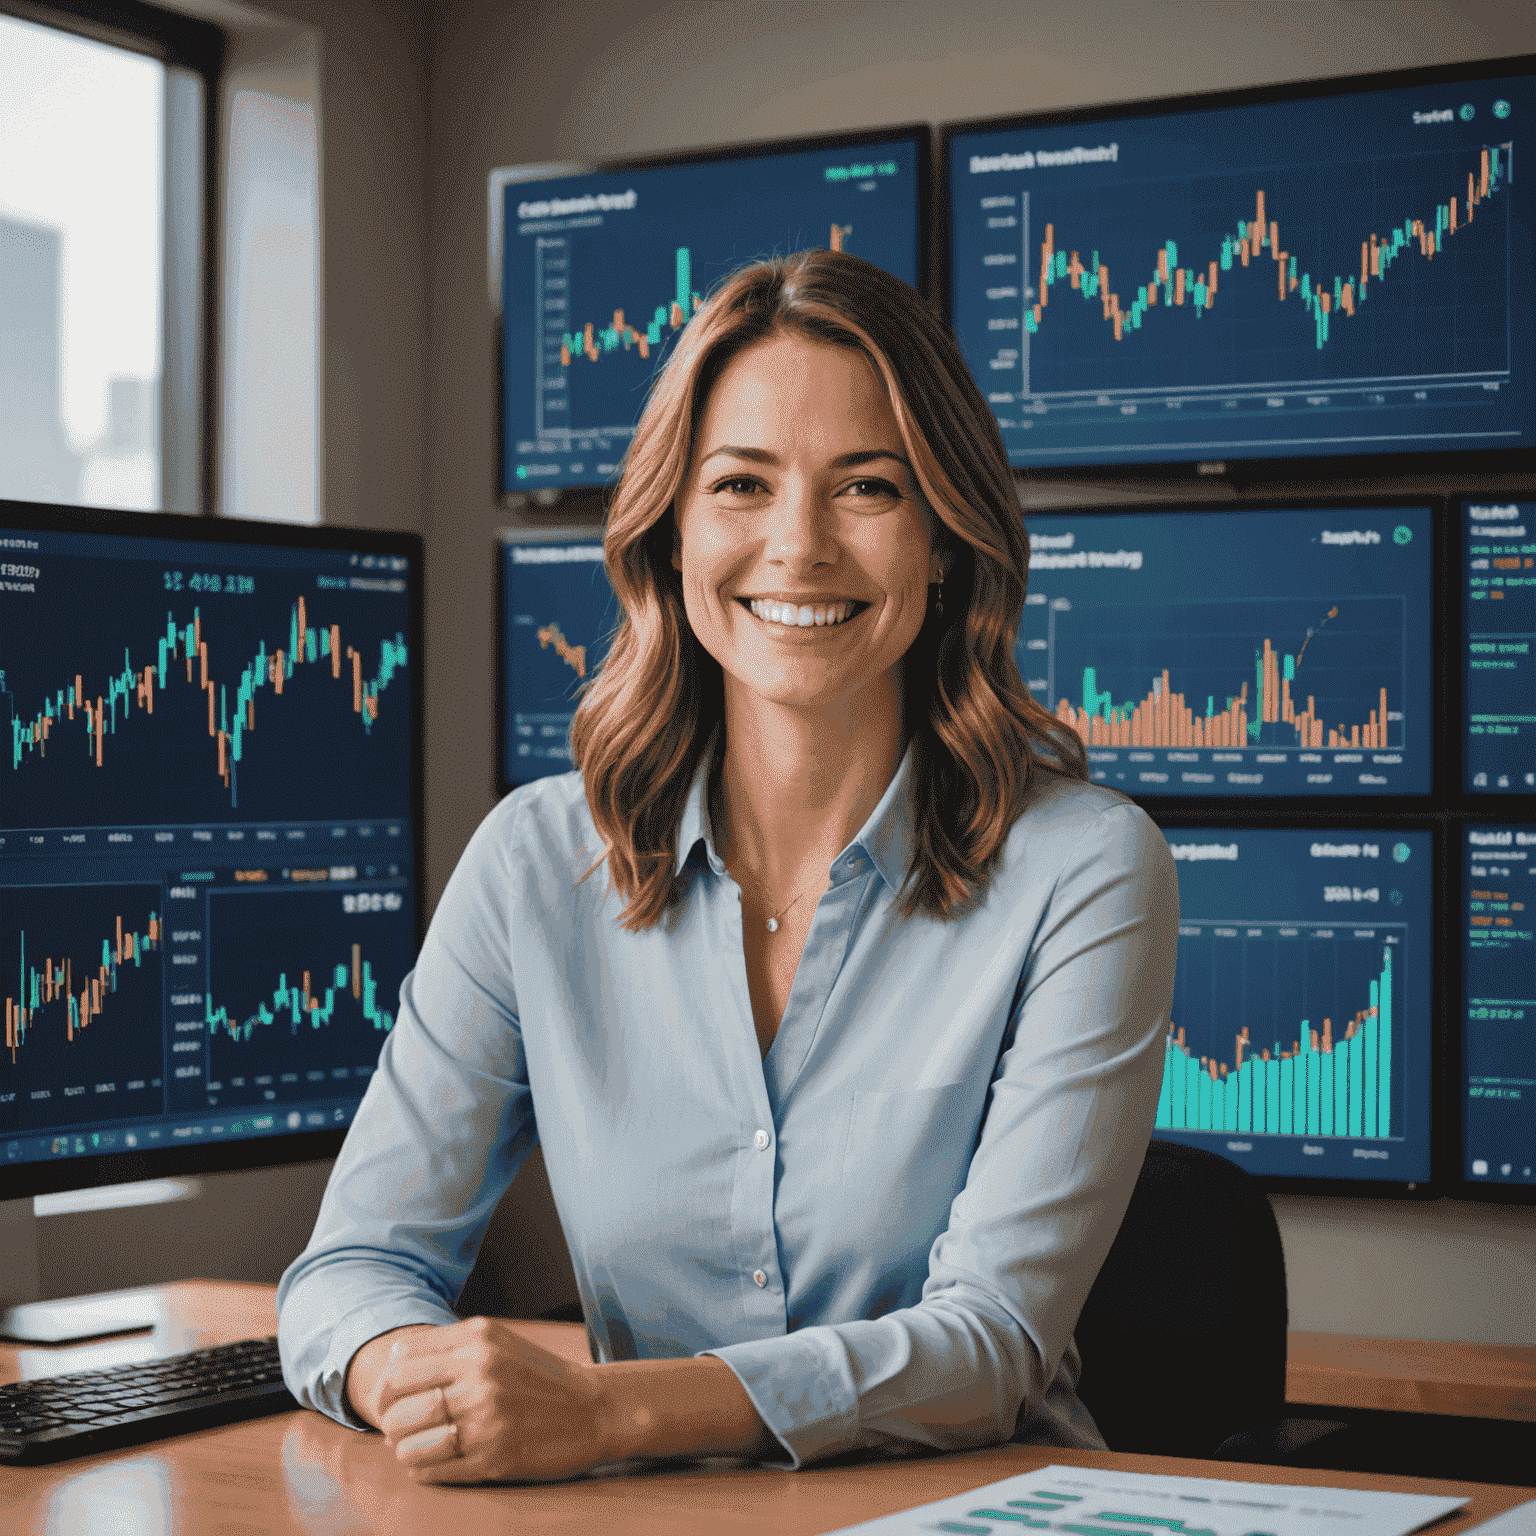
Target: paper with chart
1086 1501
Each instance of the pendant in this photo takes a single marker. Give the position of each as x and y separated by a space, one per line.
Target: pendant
773 925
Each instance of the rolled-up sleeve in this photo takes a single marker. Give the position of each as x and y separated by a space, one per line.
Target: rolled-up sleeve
984 1354
445 1124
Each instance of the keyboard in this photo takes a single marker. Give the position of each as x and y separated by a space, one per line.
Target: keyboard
55 1417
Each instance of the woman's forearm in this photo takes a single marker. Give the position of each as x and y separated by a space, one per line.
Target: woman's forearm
666 1408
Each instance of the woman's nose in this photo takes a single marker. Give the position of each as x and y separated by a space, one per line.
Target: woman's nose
801 531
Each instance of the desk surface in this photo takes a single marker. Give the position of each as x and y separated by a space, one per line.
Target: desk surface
299 1473
1486 1381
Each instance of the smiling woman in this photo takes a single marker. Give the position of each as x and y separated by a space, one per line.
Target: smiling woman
832 992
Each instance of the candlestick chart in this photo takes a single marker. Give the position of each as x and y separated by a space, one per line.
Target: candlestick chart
1255 240
300 990
601 273
558 615
1264 280
1295 1038
136 705
80 973
1278 651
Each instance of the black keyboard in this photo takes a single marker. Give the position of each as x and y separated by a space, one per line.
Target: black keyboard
54 1417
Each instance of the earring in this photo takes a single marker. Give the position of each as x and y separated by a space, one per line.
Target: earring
938 600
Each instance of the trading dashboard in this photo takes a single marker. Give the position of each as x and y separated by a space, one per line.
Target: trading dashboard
1261 652
1499 629
601 271
1499 1006
207 835
1251 278
557 615
1301 1040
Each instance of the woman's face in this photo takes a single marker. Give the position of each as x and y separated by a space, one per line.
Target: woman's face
805 548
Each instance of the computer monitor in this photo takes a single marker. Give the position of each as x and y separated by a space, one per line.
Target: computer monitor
1302 1037
1498 1060
1498 545
556 614
210 822
600 271
1255 279
1252 652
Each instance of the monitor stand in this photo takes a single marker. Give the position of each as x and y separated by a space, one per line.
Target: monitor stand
80 1317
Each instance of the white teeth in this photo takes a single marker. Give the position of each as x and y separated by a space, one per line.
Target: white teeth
802 617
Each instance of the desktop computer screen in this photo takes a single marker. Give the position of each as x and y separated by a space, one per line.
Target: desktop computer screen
600 271
1301 1042
1322 271
1498 540
209 824
1499 1008
1257 652
556 614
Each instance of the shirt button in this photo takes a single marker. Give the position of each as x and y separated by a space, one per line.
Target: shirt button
759 1278
760 1141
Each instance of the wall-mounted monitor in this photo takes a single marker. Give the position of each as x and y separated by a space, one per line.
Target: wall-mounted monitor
602 270
1498 1030
1301 1043
1258 652
556 614
210 811
1498 546
1326 271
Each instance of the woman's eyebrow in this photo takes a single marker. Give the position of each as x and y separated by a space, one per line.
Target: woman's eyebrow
843 461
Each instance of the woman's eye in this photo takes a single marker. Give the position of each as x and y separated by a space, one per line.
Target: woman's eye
738 485
865 488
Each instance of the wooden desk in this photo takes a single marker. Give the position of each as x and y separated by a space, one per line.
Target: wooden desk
1481 1381
298 1474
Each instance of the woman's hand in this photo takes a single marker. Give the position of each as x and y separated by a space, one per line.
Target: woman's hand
480 1401
477 1401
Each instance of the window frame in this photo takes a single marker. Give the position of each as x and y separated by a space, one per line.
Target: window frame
190 359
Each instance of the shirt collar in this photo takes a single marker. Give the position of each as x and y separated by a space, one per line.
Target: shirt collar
885 840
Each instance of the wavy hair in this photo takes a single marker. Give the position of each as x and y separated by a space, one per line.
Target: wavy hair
978 736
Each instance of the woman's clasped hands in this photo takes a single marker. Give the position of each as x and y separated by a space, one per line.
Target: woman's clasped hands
477 1402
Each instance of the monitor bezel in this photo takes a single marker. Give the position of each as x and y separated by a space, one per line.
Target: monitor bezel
1459 1182
1303 808
70 1173
1236 470
1442 975
921 134
545 533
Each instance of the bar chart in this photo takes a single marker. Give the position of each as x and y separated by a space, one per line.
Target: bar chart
1299 1039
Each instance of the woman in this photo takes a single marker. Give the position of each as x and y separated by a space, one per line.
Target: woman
832 991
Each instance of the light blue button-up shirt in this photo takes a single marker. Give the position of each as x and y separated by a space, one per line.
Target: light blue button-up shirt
886 1227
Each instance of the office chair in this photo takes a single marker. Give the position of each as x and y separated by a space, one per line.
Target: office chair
1183 1336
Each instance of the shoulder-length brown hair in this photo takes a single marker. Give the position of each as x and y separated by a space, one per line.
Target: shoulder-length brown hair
978 735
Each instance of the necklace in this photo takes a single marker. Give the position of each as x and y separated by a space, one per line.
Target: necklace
773 920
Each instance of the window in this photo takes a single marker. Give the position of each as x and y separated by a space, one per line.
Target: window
102 257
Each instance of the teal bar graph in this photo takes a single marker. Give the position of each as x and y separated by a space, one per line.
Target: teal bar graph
300 1003
1326 1081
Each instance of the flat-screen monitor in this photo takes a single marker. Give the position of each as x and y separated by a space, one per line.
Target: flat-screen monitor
1498 1031
1498 545
1255 652
1301 1042
1325 271
556 614
602 270
210 812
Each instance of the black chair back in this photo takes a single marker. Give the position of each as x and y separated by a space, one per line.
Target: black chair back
1183 1336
